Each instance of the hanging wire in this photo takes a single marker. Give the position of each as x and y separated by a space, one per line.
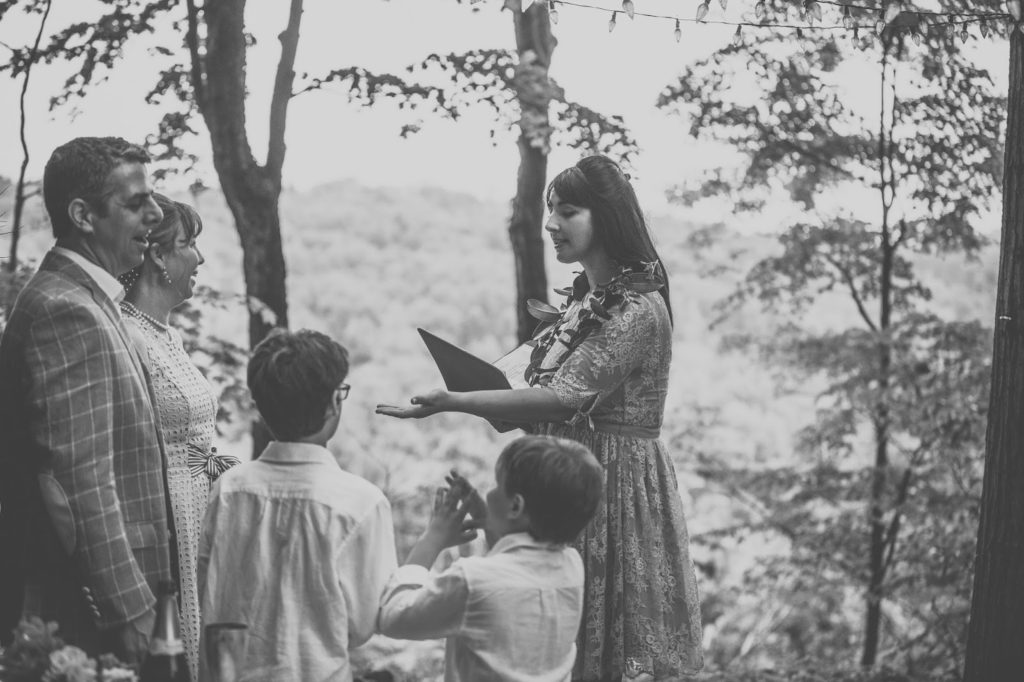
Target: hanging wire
812 13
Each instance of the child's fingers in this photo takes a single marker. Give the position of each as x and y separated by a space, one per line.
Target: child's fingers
467 536
439 499
463 509
452 500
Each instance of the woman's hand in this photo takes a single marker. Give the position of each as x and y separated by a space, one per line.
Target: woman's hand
422 406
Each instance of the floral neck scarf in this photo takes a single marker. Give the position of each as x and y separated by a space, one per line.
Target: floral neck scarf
582 312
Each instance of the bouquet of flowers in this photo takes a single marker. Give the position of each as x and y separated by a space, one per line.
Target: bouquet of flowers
37 654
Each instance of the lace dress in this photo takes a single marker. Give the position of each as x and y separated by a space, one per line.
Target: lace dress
641 609
187 408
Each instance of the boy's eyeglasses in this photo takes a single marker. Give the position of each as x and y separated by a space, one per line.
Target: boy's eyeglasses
343 389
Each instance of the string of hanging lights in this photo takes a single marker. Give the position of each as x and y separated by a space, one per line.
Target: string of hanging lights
854 17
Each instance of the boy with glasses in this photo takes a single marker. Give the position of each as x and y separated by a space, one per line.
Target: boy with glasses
292 546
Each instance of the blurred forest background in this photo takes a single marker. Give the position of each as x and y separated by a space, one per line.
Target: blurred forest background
832 344
378 262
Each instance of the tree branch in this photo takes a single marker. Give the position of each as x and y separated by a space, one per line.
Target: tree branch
901 234
192 40
901 499
813 156
848 278
283 91
19 192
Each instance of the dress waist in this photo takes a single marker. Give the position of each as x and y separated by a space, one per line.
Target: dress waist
628 430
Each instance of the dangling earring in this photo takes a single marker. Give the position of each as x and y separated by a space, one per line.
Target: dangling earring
167 276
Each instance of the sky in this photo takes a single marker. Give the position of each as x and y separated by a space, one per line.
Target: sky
619 72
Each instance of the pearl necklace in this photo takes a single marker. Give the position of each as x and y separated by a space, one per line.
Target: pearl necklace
135 312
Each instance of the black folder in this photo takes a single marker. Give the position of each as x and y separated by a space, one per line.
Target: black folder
462 371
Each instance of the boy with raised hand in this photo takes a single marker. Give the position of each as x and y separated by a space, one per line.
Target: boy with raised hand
514 613
293 546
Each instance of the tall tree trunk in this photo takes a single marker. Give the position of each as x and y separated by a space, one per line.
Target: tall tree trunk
19 188
880 473
252 190
534 44
994 650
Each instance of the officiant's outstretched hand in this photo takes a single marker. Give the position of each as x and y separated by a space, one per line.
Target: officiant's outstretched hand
521 405
420 406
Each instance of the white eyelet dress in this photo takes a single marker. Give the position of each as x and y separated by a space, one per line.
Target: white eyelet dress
187 408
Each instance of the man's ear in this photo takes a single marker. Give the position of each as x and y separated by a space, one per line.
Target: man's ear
517 506
81 215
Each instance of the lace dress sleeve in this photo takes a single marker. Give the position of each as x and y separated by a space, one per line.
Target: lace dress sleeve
606 357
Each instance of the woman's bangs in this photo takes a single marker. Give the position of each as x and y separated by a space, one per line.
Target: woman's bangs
571 187
190 220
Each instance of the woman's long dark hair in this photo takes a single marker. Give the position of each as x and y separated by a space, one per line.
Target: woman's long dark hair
599 185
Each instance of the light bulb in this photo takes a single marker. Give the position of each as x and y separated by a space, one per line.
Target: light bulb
627 7
678 33
847 19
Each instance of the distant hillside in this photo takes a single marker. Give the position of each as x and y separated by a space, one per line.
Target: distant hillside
369 265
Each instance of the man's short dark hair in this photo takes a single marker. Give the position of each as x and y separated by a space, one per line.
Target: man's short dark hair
79 169
560 480
292 377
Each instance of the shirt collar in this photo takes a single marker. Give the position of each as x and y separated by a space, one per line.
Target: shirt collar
513 541
106 282
296 453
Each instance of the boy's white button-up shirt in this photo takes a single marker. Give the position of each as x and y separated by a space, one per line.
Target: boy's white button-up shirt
512 614
299 551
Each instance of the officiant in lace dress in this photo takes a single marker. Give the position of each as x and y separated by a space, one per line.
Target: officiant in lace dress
185 402
599 375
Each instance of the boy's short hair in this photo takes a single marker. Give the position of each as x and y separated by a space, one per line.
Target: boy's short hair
292 377
560 480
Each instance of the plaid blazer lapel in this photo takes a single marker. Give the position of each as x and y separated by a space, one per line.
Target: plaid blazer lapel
56 261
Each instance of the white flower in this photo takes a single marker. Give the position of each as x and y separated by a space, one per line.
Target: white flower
119 675
70 664
67 657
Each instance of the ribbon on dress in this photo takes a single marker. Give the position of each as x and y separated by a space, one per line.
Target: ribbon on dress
210 463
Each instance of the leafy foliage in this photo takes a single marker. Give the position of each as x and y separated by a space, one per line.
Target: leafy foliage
493 79
503 82
891 466
94 47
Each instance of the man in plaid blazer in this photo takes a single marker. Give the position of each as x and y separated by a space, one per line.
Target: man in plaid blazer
84 523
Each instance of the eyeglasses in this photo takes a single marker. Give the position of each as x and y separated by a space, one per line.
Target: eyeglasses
343 389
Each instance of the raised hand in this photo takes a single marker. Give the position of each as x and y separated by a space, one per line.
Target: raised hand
464 490
422 406
448 527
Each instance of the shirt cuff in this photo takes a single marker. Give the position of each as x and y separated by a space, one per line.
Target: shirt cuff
409 575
